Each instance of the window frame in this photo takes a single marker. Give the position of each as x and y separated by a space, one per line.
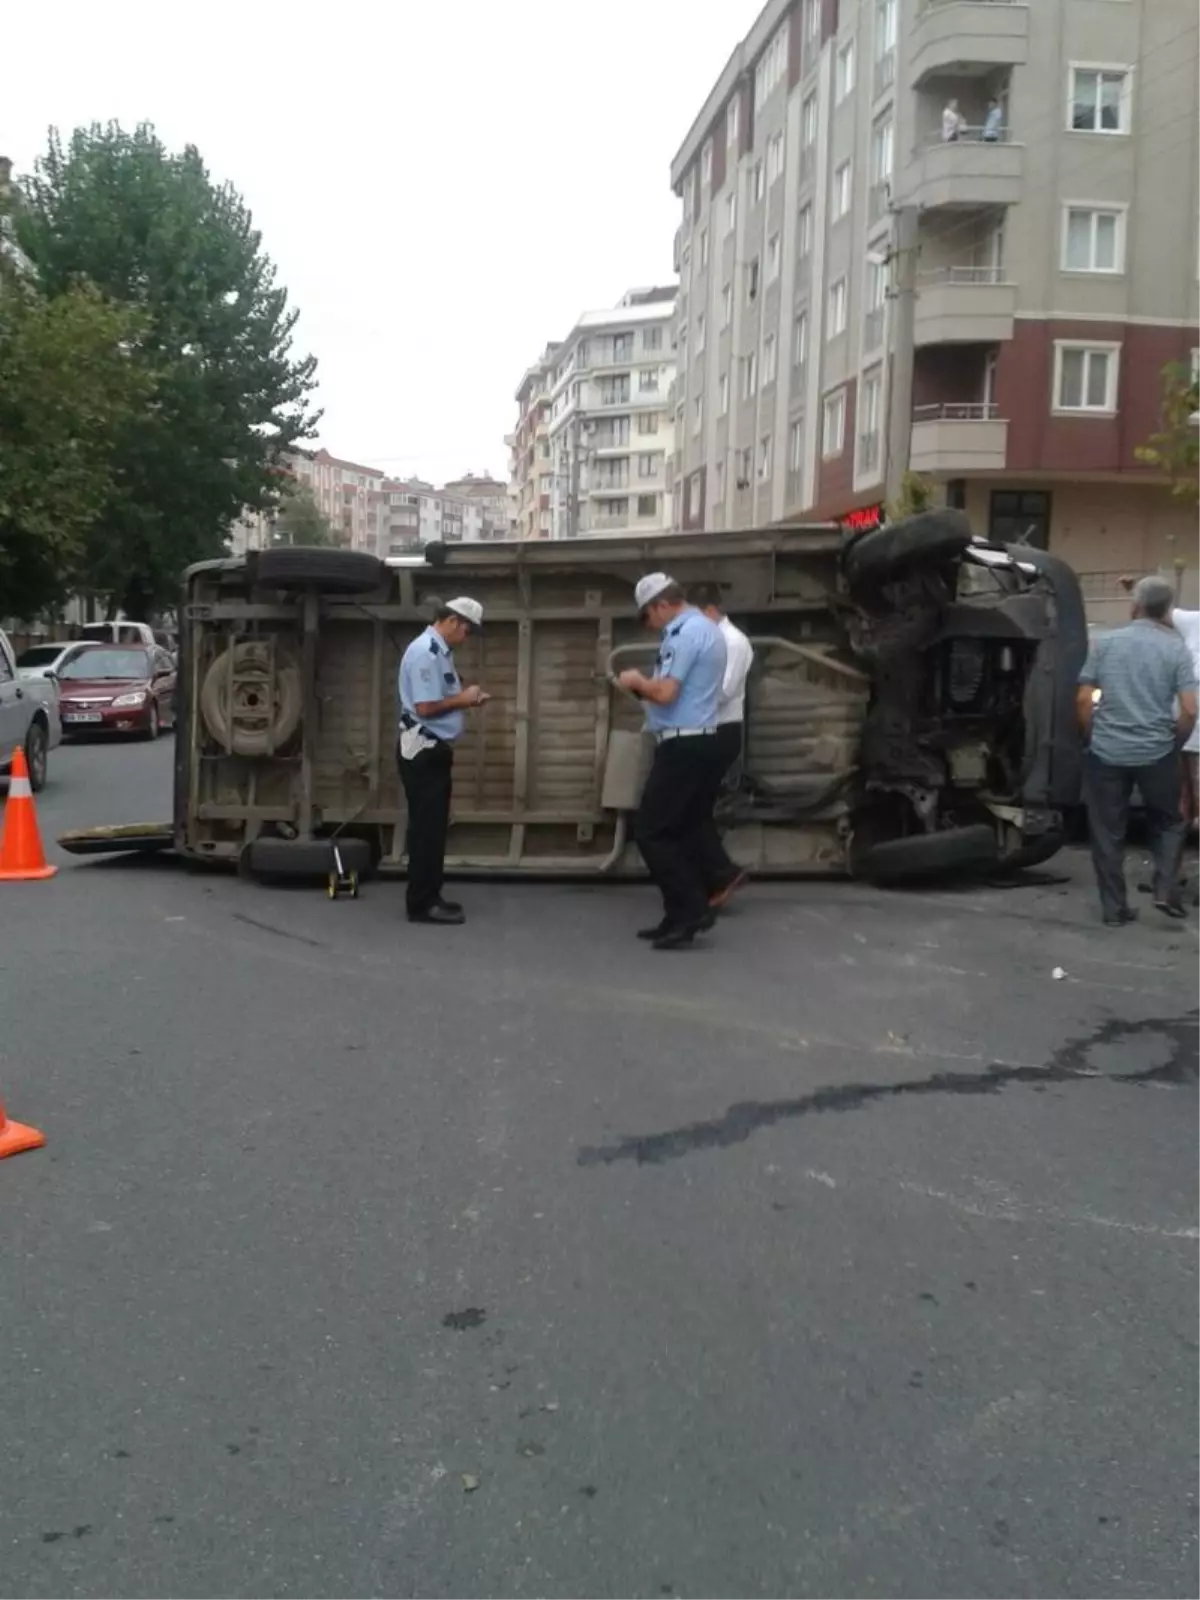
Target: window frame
833 327
774 258
1124 103
1094 208
843 191
750 375
800 338
706 162
1108 347
845 79
804 231
834 404
770 360
763 459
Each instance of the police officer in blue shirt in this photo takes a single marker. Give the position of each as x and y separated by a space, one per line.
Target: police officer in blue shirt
681 712
433 706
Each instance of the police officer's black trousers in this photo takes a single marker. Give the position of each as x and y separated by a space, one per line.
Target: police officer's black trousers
427 782
675 810
716 865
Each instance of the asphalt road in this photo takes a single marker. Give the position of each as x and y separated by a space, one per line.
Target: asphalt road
850 1255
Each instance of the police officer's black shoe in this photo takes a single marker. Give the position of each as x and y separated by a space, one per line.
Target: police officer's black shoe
444 915
448 905
679 937
656 932
666 926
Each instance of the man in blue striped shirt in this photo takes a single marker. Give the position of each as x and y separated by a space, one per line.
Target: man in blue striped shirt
1137 706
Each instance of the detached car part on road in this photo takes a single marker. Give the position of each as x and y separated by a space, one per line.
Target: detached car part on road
29 717
910 712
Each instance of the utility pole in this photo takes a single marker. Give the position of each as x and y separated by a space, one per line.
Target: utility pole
903 319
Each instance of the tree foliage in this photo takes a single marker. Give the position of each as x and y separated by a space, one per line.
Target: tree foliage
151 230
1175 448
916 494
69 389
299 519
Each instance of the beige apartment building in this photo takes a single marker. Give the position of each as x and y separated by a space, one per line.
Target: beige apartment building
593 448
998 197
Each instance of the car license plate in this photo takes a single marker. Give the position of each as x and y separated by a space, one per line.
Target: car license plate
82 716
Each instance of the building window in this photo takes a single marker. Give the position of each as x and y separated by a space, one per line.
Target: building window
774 157
647 422
870 409
697 413
800 339
726 305
764 458
812 21
749 376
622 346
648 379
842 191
837 309
833 425
808 122
647 505
1099 100
769 358
732 120
1093 240
731 210
1020 516
723 394
651 338
614 391
883 145
804 232
703 248
647 466
719 480
845 70
772 258
772 65
701 325
758 181
745 461
796 447
752 280
1085 376
706 162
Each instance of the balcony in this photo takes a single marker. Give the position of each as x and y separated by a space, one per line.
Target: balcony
964 305
956 37
958 438
967 173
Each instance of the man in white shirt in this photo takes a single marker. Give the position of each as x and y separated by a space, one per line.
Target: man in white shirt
723 876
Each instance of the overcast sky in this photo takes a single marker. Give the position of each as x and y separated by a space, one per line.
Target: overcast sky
443 187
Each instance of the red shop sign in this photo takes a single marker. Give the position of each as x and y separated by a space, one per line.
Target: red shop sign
862 519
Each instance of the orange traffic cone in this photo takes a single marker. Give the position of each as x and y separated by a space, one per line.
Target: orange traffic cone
21 853
15 1136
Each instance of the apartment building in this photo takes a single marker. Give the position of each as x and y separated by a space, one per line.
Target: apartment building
346 493
998 196
602 405
481 504
531 480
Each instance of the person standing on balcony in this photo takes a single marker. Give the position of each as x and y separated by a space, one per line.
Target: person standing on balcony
1137 707
993 123
723 875
952 123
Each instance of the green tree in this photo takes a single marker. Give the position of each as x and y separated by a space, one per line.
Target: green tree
1175 448
916 494
70 387
300 520
152 230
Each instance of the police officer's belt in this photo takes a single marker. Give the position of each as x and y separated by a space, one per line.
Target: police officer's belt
411 722
682 733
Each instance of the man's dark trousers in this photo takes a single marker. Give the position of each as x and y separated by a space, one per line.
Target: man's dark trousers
716 866
675 809
1109 790
427 782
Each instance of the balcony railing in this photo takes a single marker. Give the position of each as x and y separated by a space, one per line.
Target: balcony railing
935 5
966 274
958 411
976 169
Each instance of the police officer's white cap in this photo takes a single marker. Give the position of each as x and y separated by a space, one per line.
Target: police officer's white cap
650 587
469 610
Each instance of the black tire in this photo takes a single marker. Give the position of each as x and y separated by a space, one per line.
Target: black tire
331 571
926 540
1034 852
270 858
154 726
928 855
37 754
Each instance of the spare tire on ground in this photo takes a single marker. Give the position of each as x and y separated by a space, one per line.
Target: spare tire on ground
313 566
282 860
928 855
927 539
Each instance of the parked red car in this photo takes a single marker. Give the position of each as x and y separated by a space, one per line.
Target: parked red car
118 689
